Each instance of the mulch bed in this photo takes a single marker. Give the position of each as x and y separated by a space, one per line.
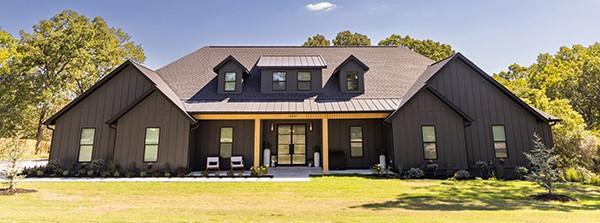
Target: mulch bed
6 192
552 197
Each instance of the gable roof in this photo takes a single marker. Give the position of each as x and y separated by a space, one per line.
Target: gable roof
292 61
226 60
347 60
159 85
434 68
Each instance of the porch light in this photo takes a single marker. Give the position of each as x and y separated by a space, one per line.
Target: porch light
310 126
272 127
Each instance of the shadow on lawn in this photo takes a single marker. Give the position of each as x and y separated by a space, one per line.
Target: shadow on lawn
486 195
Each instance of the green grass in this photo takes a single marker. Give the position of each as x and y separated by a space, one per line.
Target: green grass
324 199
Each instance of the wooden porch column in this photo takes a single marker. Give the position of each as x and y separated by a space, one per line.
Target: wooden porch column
257 131
325 129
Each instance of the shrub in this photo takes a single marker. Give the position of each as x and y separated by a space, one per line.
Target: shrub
521 172
259 171
104 173
595 180
39 173
97 165
182 171
571 175
461 175
378 170
142 173
414 173
116 173
482 166
82 171
54 167
65 173
112 166
90 173
432 168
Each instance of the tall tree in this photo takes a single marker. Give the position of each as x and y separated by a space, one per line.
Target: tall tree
347 38
64 55
429 48
543 165
317 40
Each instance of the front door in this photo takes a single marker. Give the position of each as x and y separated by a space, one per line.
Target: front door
291 144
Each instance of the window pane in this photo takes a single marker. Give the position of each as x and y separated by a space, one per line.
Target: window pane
278 76
299 159
283 149
230 76
430 151
299 139
498 132
501 153
225 150
283 129
352 85
229 86
278 86
299 149
226 135
299 129
352 81
304 85
85 153
152 135
284 159
284 139
87 136
151 153
303 76
356 133
428 133
356 149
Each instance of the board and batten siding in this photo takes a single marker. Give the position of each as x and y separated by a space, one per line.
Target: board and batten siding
373 141
205 142
426 109
488 105
92 112
155 111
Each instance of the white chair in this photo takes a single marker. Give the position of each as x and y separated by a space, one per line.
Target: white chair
212 163
237 163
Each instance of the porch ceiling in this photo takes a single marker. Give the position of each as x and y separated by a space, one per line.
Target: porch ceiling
255 116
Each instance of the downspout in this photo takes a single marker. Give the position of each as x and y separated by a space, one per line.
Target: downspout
195 126
51 140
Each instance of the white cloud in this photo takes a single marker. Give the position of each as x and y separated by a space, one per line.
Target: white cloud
321 6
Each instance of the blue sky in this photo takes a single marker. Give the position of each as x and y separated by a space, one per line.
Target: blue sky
493 34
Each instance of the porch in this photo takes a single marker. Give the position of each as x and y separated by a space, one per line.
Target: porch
296 139
296 173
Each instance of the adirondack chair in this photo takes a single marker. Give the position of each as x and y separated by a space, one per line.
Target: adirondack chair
237 163
212 164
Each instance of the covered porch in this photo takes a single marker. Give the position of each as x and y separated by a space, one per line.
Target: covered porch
292 138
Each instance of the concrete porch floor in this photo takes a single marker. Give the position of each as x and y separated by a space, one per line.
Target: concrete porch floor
293 172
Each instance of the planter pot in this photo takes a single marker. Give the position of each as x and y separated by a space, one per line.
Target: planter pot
382 161
267 157
317 159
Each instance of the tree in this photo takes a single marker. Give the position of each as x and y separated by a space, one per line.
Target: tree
67 54
12 150
429 48
347 38
317 40
543 165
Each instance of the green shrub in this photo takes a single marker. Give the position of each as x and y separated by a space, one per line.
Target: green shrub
259 171
461 175
414 173
65 173
521 172
116 173
90 173
578 174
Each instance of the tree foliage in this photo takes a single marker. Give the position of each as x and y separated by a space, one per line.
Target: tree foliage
347 38
62 57
12 151
543 161
317 40
429 48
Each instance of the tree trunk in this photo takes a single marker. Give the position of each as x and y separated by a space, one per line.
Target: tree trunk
40 130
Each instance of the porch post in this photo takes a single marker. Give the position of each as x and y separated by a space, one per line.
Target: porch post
257 131
325 129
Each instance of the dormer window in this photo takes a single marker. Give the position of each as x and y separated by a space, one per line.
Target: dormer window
230 81
304 81
279 81
352 81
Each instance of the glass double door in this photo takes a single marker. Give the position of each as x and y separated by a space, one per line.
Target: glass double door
291 144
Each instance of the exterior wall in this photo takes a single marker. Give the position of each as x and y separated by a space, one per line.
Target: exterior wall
351 66
205 142
93 111
339 141
485 103
313 138
426 109
154 111
266 77
230 67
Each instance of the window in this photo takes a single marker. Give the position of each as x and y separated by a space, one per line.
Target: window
86 144
304 81
151 144
356 141
230 80
279 81
352 81
226 142
499 141
429 143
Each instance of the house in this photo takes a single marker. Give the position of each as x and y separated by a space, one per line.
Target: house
349 104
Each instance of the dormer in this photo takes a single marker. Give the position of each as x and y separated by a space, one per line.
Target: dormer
230 75
351 75
291 74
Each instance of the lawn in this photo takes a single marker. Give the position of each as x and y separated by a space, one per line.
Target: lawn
323 199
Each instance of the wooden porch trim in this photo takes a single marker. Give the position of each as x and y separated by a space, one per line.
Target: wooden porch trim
257 131
325 144
255 116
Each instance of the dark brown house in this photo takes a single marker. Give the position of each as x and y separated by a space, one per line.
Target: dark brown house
349 104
